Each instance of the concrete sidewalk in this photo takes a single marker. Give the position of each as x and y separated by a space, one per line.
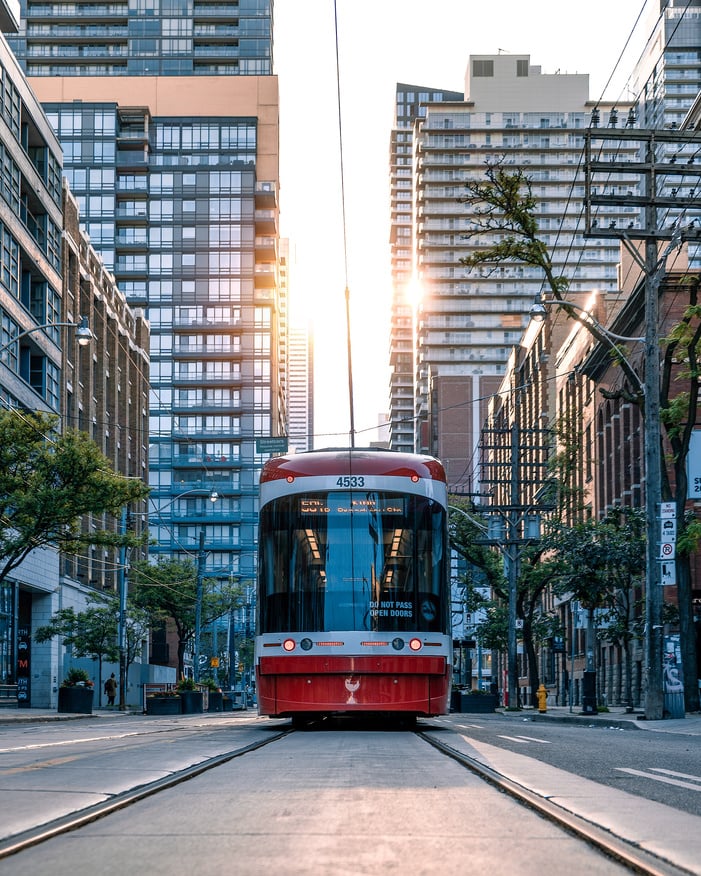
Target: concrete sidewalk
38 716
617 716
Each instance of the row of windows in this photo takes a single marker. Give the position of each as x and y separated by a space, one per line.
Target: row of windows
225 289
163 372
214 263
221 424
205 136
71 122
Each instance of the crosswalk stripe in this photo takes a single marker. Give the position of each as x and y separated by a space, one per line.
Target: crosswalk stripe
526 739
663 779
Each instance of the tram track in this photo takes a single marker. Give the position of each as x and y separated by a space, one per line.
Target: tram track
637 860
41 833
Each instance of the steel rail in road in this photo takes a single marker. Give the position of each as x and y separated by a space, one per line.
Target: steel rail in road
637 860
36 835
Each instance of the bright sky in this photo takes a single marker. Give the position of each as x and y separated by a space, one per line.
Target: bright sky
382 42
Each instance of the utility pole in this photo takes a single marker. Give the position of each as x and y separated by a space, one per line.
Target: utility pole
511 553
509 453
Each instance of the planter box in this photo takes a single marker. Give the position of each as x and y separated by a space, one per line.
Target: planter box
216 701
474 703
77 700
163 706
192 702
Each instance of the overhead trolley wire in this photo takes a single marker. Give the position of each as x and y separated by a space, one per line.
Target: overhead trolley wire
345 234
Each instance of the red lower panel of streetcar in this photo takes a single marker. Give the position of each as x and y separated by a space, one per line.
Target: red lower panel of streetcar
291 685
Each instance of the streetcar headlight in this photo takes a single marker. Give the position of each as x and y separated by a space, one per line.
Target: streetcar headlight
397 644
415 644
306 644
289 644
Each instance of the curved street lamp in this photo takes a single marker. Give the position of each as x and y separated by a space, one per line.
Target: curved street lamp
539 311
83 333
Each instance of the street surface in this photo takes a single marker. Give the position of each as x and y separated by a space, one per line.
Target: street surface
350 799
661 767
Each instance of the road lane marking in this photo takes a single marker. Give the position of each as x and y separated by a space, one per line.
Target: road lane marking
525 739
663 779
535 739
676 774
67 742
471 726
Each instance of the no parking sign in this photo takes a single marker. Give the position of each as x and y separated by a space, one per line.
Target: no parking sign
667 550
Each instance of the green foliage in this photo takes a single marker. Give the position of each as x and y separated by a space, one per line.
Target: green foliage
94 632
48 481
594 559
210 684
91 633
186 684
467 536
167 591
504 211
76 677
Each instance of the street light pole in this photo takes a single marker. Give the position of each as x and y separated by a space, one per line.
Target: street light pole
198 603
83 332
122 628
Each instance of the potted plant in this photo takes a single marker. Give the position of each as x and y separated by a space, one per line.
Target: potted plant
191 697
163 702
481 701
216 697
76 692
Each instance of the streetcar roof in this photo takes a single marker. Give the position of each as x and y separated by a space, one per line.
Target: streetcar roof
353 461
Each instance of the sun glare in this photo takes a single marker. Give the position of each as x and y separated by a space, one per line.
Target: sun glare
414 292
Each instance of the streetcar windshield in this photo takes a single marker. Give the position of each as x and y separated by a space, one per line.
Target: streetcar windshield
352 561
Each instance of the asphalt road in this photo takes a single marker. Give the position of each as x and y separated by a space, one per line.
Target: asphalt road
657 766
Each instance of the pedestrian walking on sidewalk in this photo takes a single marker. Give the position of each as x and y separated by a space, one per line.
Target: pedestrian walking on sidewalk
111 689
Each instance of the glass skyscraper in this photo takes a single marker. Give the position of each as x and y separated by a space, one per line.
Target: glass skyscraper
167 113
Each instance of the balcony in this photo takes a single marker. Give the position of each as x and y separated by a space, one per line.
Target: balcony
265 275
266 222
266 248
266 195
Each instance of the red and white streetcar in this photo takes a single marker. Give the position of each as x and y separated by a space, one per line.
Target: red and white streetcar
353 585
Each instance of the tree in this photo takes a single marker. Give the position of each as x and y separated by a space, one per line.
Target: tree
504 217
599 563
91 633
167 591
48 481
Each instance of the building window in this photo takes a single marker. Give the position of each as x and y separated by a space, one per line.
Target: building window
521 67
482 67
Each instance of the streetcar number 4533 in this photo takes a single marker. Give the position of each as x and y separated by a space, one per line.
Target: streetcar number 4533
351 481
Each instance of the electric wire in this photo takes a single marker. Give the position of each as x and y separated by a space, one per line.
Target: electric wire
351 406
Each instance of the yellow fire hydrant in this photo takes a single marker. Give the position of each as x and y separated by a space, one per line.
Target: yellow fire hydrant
542 695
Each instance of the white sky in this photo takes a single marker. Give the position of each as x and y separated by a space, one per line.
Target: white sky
382 42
